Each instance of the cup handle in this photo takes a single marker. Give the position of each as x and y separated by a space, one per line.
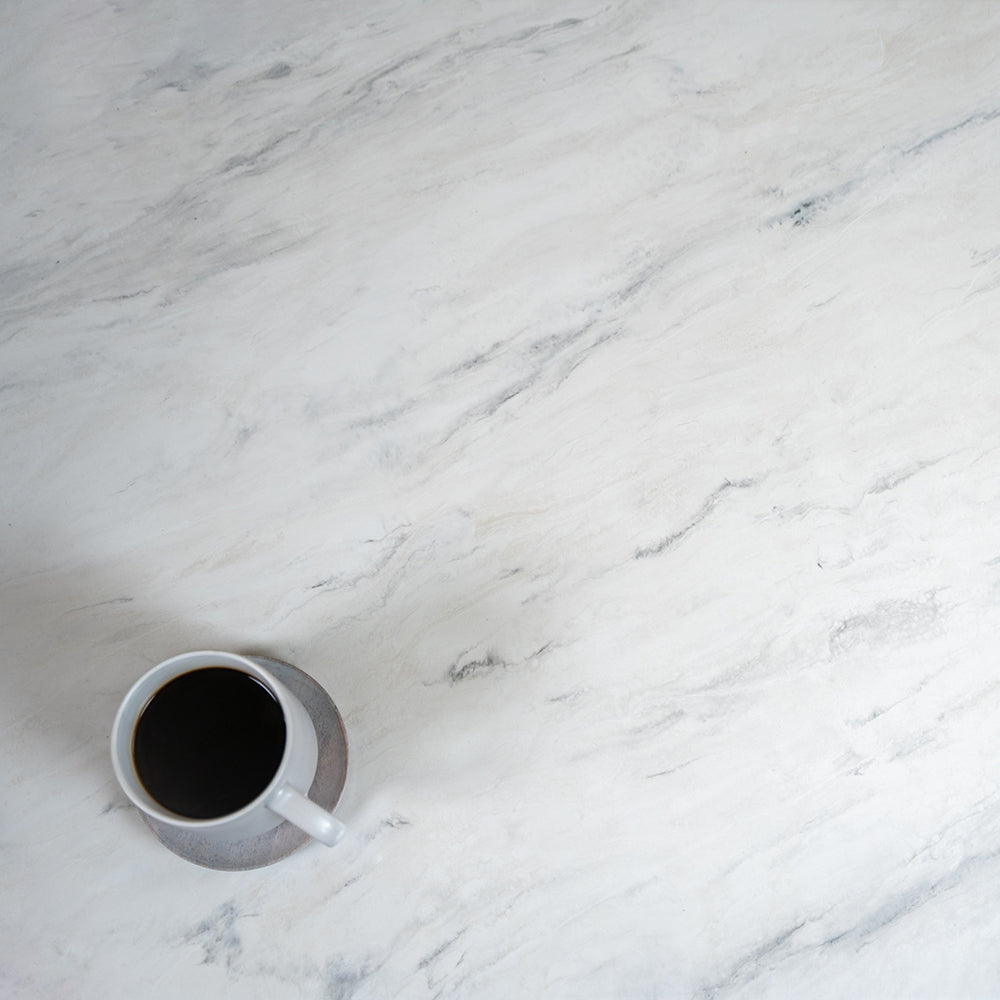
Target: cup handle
306 815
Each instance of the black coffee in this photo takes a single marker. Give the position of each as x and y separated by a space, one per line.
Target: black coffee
208 742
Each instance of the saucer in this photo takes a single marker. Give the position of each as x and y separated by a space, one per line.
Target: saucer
331 773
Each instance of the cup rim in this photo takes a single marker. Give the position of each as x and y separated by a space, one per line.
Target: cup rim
139 695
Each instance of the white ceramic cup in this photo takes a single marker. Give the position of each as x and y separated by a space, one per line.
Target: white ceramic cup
285 795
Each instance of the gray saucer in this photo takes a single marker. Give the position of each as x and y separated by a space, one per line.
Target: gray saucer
331 773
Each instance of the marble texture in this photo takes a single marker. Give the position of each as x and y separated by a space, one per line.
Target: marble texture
600 399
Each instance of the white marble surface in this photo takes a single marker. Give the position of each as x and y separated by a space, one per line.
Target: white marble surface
600 399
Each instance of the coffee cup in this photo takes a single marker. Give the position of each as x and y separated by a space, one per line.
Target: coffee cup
212 744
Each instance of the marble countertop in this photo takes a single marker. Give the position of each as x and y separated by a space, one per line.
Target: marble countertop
600 400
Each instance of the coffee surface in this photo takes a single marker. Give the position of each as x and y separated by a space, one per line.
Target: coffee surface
209 742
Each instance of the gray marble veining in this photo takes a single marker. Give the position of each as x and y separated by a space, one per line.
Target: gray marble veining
599 400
